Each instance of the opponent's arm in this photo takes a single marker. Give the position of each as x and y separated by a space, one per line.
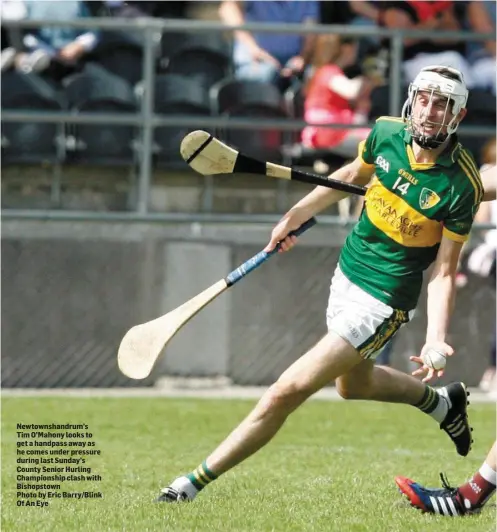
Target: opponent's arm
489 180
356 172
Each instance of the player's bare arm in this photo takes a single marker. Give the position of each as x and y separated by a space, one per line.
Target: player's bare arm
441 296
356 172
489 179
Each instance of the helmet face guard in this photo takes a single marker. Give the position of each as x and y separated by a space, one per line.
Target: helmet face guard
432 83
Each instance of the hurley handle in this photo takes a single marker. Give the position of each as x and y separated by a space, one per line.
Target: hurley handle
254 262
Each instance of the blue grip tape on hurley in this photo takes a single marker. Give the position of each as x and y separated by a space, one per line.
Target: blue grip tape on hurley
255 261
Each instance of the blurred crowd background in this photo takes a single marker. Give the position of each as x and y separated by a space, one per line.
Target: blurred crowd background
320 78
96 168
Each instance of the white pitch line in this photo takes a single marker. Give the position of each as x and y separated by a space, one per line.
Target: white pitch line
225 392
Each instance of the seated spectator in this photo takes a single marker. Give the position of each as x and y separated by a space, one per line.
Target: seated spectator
366 14
269 56
11 37
55 45
419 53
481 54
332 98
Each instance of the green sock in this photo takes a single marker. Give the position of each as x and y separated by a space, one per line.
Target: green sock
201 476
429 401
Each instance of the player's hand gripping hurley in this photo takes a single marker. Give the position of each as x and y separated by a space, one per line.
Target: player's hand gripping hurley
142 345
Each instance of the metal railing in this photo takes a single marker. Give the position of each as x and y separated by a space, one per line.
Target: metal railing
152 28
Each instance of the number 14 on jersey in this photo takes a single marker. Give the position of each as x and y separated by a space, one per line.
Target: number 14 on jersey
402 187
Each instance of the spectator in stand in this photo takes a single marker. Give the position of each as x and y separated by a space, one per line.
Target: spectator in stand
55 45
12 37
366 14
332 98
270 57
481 54
419 53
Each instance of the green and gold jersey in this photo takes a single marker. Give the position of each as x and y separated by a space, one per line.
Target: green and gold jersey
408 207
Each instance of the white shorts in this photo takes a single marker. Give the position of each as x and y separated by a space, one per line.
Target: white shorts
361 319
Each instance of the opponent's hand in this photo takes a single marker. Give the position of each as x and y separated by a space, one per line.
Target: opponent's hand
425 370
280 234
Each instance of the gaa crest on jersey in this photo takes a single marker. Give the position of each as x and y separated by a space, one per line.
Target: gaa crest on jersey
383 163
428 198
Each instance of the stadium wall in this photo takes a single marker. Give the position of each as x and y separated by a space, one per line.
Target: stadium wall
70 290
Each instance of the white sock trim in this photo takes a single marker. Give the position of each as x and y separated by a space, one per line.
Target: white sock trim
442 392
183 484
440 411
488 473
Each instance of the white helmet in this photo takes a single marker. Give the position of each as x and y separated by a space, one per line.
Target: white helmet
449 83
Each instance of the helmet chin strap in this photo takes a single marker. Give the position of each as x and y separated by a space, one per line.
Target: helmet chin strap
429 142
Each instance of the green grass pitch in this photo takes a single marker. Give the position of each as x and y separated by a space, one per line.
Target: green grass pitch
331 468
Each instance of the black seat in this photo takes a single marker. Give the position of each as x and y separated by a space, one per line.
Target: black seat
176 42
233 95
98 90
30 142
175 95
252 99
481 112
203 65
380 101
171 43
204 57
121 54
173 89
481 108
